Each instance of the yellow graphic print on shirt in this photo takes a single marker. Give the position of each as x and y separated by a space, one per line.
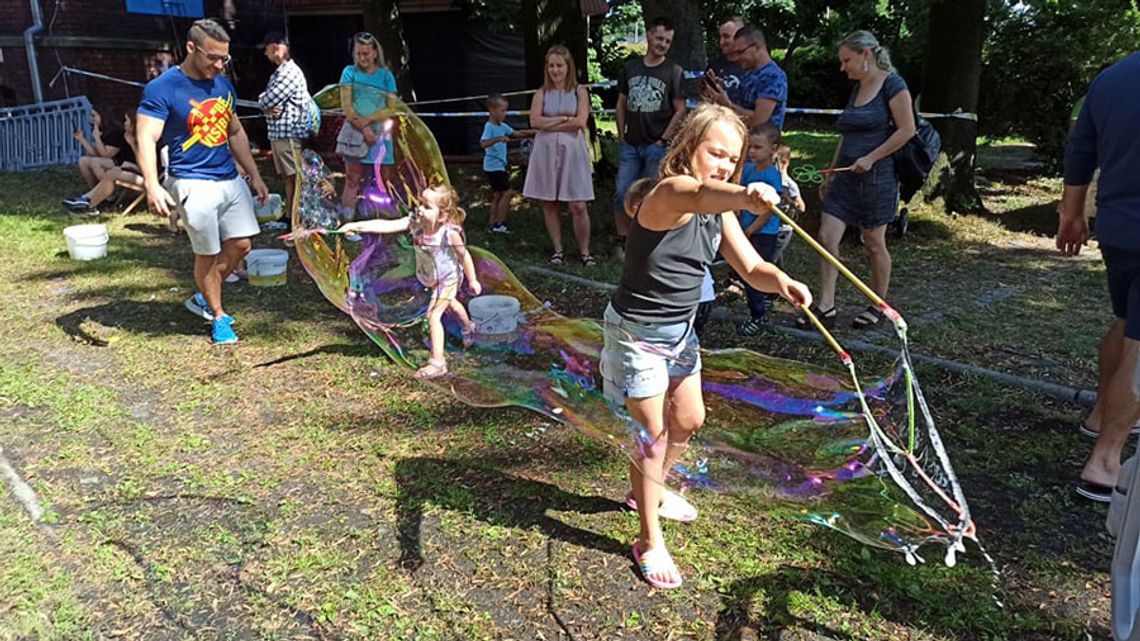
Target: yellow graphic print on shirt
209 122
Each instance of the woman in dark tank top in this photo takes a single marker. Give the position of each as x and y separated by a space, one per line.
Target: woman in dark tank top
650 360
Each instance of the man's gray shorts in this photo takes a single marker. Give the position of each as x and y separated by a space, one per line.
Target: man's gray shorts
213 211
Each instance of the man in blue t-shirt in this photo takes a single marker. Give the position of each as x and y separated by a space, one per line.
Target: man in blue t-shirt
189 109
763 95
1107 135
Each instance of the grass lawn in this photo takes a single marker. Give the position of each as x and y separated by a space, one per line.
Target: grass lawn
298 486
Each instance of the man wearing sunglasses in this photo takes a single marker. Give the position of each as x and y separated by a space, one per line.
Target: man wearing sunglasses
764 86
189 109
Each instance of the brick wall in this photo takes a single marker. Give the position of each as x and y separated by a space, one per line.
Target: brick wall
107 18
133 47
14 77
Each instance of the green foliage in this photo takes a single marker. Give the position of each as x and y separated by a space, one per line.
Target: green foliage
622 35
1039 59
813 77
798 22
1058 45
500 16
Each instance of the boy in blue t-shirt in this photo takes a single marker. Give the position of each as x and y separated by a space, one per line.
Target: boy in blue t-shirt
762 229
496 134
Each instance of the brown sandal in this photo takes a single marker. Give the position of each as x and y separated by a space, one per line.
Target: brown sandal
433 369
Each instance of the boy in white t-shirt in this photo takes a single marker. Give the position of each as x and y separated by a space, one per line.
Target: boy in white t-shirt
793 203
496 134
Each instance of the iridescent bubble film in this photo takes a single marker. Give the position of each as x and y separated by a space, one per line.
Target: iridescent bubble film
794 439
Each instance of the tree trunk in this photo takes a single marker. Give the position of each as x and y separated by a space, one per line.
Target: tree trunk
688 48
552 22
382 19
951 80
789 54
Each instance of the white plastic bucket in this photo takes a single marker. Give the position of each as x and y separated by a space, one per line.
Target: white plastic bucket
267 267
270 211
86 242
496 316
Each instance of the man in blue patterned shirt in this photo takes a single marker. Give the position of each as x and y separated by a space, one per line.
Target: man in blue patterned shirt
764 86
285 103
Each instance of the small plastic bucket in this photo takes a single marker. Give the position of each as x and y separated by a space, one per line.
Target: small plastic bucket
496 316
270 211
86 242
267 267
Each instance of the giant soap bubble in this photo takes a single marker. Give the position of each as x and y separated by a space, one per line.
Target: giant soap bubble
795 439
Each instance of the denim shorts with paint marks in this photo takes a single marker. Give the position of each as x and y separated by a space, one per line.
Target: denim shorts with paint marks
638 359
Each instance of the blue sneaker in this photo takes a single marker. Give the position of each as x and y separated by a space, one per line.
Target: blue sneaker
197 306
223 333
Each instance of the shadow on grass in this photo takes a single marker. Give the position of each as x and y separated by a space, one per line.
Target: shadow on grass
773 594
155 228
492 496
358 350
1039 220
146 318
785 604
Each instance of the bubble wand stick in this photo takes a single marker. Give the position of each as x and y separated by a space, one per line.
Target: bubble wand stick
965 527
809 174
887 310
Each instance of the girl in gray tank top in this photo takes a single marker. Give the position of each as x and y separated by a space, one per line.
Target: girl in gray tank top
650 362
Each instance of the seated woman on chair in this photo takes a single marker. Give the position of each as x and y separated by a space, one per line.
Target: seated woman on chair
101 153
126 174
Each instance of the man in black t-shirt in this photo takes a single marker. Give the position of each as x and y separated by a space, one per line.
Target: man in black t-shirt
725 72
650 107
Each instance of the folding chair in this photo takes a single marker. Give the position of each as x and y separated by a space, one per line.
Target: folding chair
141 193
163 158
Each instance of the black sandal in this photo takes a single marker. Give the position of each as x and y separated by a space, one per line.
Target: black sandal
867 318
557 258
826 318
588 260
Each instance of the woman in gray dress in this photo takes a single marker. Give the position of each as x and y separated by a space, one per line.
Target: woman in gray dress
559 166
878 120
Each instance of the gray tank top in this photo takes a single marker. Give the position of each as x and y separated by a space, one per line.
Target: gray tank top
663 270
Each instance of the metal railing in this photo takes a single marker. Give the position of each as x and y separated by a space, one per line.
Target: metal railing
34 136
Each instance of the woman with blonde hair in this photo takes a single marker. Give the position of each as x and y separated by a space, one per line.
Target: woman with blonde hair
364 89
559 169
651 360
877 121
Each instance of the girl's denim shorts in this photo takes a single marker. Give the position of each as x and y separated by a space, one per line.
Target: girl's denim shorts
639 359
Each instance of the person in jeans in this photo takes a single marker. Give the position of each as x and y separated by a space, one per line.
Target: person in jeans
650 107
